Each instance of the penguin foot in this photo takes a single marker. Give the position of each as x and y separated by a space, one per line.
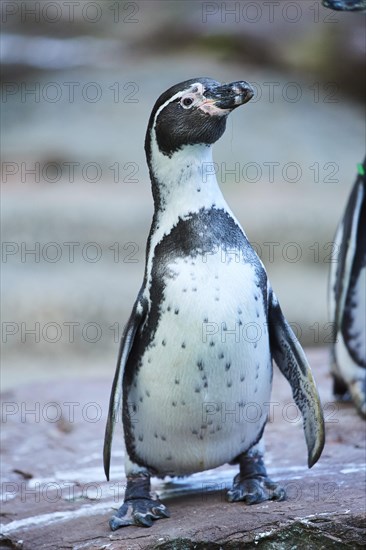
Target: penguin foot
354 391
255 490
358 394
140 506
340 389
140 512
252 484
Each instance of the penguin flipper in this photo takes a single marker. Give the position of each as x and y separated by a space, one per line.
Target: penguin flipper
345 241
136 318
291 360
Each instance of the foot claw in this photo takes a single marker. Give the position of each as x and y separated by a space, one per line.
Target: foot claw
255 490
139 511
143 520
116 522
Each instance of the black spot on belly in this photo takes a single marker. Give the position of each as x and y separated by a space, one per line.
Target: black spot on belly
197 389
205 320
200 365
156 435
221 355
169 457
194 432
205 385
163 342
177 381
227 366
141 399
212 343
184 244
194 289
147 393
141 438
229 383
174 403
163 438
242 377
239 311
183 345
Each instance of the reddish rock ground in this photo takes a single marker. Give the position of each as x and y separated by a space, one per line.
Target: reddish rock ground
55 496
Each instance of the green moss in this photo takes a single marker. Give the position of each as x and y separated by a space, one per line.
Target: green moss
321 533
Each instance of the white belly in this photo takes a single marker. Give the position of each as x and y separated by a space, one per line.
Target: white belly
203 389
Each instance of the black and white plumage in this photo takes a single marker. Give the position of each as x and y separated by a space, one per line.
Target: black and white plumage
175 373
347 298
345 5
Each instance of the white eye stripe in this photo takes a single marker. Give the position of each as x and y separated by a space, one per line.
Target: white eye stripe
178 95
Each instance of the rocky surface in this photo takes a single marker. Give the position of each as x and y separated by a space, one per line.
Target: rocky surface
55 496
57 368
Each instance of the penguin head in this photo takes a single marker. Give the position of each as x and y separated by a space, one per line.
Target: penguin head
193 112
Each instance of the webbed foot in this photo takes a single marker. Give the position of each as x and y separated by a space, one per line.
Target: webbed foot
140 506
140 511
255 490
252 484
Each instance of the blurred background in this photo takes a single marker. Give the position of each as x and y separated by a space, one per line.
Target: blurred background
78 82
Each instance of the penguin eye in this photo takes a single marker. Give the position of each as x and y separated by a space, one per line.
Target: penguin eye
187 102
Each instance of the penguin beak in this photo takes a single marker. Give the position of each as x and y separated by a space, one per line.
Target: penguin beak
229 96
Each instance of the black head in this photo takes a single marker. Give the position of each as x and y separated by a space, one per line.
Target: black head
193 112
